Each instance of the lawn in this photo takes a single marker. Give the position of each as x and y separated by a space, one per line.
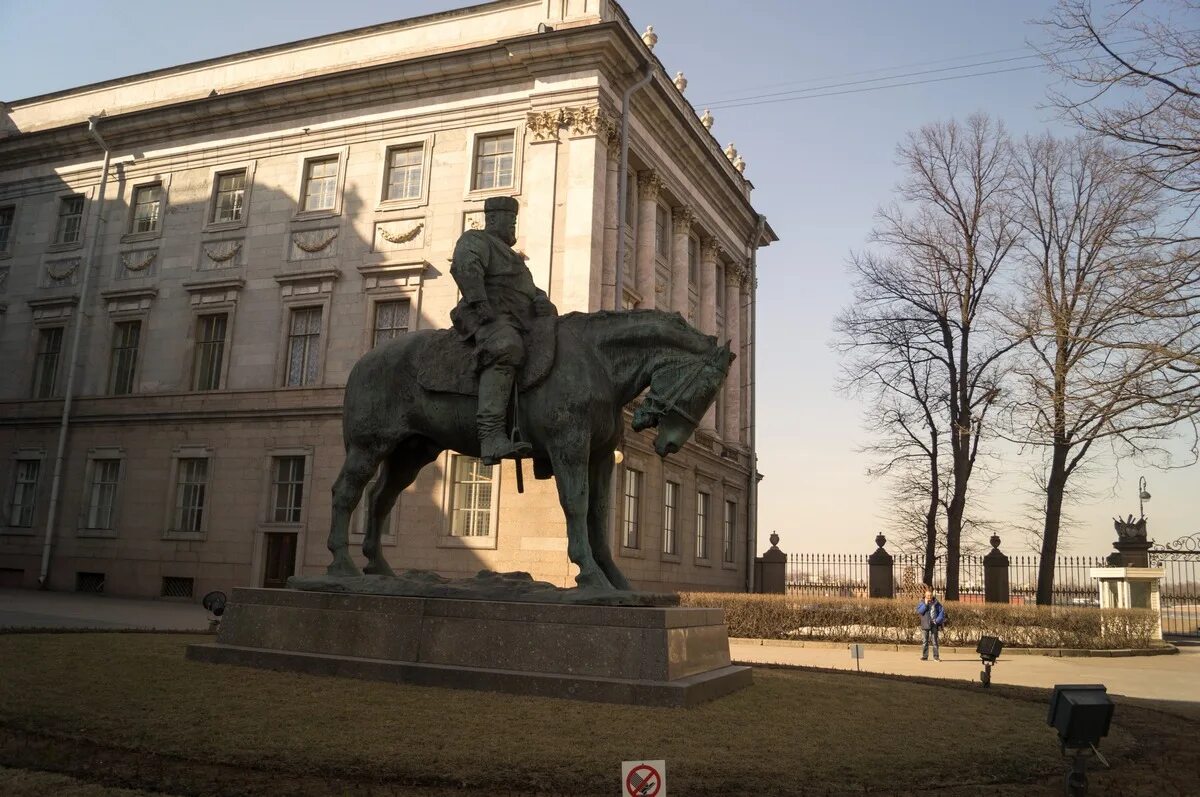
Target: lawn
126 710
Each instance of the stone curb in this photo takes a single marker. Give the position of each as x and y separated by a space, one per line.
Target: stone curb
1166 649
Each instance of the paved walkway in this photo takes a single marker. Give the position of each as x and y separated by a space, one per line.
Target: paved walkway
1151 677
27 608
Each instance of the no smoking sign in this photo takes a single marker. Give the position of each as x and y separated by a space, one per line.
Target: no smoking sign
644 779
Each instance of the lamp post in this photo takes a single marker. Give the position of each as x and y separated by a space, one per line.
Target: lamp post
1143 497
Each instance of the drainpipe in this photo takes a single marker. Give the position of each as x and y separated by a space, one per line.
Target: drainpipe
73 359
752 351
623 184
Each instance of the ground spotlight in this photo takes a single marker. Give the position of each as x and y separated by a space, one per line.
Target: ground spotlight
1081 713
215 603
989 648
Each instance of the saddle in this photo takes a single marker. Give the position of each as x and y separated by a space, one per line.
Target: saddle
449 362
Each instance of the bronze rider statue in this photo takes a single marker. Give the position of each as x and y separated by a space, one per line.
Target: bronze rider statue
499 303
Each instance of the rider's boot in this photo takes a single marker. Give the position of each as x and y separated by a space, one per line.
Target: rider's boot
495 386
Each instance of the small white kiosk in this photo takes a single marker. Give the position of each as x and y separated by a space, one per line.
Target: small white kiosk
1130 583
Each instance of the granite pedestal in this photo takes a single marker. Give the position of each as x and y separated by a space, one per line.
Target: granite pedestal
661 656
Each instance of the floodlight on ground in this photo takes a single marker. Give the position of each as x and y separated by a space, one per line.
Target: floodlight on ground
215 603
1081 714
989 648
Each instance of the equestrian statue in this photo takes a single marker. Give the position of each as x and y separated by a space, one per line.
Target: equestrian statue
514 380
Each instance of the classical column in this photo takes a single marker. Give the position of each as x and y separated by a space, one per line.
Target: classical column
585 193
707 312
734 273
535 230
612 225
681 224
649 184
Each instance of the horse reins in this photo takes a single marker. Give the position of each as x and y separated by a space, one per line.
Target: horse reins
670 404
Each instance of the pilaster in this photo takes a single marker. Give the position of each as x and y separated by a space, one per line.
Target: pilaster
649 185
681 224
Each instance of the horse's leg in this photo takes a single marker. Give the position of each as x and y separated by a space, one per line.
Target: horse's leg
571 474
600 488
347 490
399 470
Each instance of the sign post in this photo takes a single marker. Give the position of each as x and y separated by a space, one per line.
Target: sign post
856 653
643 779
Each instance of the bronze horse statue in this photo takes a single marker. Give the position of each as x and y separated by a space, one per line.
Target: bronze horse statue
573 420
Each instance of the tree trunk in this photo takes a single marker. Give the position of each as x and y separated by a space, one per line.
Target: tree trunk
954 516
931 519
1055 487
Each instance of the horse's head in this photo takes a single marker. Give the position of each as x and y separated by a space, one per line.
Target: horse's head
681 391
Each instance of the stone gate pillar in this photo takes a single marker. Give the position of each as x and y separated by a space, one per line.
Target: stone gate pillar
881 581
995 574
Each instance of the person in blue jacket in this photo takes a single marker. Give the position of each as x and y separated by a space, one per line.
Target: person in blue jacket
932 616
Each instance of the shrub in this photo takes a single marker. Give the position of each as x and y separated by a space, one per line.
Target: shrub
896 621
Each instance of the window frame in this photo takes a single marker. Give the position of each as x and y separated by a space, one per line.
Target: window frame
703 513
95 456
178 456
426 144
210 225
135 367
57 244
447 539
36 373
729 532
267 521
339 154
663 233
6 249
10 491
322 336
671 514
637 497
222 368
379 302
470 192
131 230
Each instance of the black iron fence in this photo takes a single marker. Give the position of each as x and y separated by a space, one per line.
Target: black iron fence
847 575
1180 592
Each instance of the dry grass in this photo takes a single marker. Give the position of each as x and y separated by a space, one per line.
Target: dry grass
20 783
163 723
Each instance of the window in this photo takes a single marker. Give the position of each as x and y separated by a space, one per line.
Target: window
7 215
287 489
24 493
633 494
320 184
471 498
190 487
693 262
730 534
124 357
719 288
391 321
147 208
662 232
670 513
702 525
229 194
404 172
494 161
70 220
102 493
304 335
210 351
45 368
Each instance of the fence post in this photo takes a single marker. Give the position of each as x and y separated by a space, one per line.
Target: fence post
881 579
772 568
995 574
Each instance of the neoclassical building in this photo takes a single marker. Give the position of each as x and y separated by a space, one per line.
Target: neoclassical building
192 259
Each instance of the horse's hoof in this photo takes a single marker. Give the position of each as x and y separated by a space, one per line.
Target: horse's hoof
378 567
342 566
593 581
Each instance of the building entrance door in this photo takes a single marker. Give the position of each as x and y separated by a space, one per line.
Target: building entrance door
280 559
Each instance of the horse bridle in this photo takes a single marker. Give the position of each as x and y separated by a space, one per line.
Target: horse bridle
669 405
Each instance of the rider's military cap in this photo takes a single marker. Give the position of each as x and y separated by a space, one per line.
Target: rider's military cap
501 203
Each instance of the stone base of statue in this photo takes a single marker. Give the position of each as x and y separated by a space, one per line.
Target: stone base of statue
644 655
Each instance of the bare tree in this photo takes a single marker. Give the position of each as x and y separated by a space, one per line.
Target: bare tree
1139 71
1098 364
922 326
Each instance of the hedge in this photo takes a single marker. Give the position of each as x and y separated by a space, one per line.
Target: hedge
896 621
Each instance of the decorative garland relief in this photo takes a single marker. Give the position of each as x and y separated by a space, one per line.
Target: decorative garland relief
228 254
69 267
397 238
315 246
140 265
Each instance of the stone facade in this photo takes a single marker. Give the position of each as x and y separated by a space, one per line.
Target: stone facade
267 217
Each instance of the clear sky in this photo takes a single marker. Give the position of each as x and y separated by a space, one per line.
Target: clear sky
820 167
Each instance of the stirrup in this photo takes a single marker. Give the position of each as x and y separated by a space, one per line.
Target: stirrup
511 450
